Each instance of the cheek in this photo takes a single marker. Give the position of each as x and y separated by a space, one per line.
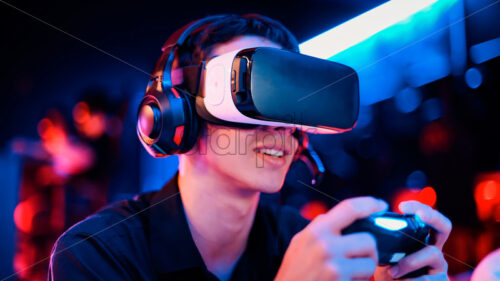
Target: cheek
246 141
229 147
221 142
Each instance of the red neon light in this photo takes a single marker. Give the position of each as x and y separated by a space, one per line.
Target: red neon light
487 196
426 196
313 209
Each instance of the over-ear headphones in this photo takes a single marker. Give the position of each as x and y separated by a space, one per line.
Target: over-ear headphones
167 122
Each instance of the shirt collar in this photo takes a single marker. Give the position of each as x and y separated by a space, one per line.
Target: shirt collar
261 258
173 248
171 244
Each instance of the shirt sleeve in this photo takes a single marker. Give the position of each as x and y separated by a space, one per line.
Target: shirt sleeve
83 257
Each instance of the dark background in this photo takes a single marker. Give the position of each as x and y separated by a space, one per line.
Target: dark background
44 68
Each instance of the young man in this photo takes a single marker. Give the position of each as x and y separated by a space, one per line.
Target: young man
207 222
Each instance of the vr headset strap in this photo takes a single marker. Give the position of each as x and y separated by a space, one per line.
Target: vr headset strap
188 77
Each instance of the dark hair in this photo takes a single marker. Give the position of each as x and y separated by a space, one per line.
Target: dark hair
200 43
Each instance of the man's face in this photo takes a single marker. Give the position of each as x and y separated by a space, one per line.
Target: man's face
251 159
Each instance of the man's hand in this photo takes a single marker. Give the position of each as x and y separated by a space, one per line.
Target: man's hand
320 252
430 256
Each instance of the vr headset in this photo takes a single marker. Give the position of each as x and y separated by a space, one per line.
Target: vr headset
244 88
274 87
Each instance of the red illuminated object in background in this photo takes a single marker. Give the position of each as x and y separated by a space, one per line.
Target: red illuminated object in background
93 123
487 196
426 195
69 156
436 137
312 209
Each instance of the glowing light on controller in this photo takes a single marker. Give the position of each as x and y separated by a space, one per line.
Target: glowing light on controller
391 224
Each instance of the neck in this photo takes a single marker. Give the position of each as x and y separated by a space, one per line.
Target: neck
220 215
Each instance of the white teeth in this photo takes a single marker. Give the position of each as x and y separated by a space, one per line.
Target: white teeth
271 152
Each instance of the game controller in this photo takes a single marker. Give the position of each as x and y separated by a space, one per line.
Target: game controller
396 235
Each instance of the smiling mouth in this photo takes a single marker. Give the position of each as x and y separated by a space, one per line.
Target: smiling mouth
276 153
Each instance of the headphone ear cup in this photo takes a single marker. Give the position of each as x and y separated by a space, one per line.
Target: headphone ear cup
192 123
167 121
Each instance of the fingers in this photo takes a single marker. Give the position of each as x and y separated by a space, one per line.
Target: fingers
429 256
352 257
357 269
436 277
430 216
360 244
350 210
382 273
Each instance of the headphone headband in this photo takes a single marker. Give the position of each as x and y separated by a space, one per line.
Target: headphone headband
175 41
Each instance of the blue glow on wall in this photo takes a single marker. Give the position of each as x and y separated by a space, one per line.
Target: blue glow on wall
432 109
408 100
417 179
155 172
473 78
342 164
365 117
397 49
485 51
362 27
458 44
10 174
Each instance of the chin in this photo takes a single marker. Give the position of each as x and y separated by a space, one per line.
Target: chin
267 181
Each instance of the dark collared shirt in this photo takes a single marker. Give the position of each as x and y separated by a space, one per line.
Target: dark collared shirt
148 238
